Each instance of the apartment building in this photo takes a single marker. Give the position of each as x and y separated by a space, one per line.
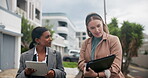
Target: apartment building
10 35
63 27
30 9
81 35
11 12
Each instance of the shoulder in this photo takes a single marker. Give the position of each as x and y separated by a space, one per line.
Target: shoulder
30 51
112 38
50 50
88 40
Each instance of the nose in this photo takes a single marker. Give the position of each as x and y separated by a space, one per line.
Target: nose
96 29
50 38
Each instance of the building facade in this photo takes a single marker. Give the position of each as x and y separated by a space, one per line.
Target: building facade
11 12
10 36
81 35
30 9
62 26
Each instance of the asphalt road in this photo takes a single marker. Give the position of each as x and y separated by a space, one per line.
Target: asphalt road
138 72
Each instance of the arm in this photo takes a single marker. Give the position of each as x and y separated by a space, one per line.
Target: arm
115 48
59 71
81 62
20 73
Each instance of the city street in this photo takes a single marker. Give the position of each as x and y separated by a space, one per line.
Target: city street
138 72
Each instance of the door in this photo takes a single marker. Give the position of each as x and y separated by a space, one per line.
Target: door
7 54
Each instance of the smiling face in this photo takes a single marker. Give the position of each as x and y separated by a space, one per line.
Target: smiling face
45 39
96 28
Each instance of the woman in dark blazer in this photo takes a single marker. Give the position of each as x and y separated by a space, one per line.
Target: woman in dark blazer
40 51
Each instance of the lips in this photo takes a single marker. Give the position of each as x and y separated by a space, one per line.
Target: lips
97 34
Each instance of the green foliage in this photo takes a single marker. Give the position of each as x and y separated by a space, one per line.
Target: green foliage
70 64
26 31
113 27
131 37
131 40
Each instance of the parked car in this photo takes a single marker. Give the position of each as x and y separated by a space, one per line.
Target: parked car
72 52
71 58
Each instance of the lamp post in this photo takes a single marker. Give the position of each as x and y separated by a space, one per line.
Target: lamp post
105 12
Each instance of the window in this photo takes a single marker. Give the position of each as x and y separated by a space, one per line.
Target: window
63 35
37 14
77 33
62 23
84 38
84 33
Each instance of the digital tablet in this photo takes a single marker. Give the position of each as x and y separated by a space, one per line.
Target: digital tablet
101 64
41 67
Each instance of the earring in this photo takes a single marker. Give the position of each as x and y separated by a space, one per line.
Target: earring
90 33
38 43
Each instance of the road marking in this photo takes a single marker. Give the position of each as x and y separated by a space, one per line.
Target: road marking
134 71
138 68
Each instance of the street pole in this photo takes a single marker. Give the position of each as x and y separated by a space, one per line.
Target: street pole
105 12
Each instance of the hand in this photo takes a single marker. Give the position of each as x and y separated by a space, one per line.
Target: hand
29 71
89 73
50 74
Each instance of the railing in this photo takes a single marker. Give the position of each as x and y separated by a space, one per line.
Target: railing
21 12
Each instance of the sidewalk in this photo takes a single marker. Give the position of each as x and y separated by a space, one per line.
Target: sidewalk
11 73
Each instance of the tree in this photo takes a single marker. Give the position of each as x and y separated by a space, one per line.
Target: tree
113 27
131 36
131 40
26 31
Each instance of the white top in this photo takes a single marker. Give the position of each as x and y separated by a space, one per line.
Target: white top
35 52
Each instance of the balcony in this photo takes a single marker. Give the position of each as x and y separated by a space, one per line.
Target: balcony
10 20
62 30
21 12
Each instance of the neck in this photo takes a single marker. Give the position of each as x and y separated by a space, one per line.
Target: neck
40 49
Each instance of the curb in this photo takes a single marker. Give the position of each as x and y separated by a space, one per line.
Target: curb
130 76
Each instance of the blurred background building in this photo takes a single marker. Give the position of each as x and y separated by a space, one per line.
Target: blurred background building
11 12
30 9
62 26
10 35
81 35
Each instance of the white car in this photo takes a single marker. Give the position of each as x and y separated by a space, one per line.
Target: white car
72 52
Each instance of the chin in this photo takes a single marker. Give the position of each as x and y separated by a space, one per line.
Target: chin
97 36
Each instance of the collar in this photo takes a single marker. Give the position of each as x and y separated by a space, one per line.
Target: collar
35 51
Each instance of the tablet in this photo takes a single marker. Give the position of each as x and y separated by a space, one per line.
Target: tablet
101 64
41 67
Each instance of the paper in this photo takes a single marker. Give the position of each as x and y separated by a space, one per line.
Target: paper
41 67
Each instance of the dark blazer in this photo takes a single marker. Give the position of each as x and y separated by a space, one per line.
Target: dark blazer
54 62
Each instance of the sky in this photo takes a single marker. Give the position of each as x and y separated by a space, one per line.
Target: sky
124 10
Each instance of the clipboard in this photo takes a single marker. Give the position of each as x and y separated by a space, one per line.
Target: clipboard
101 64
41 67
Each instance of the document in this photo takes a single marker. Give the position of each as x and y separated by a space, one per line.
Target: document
101 64
41 67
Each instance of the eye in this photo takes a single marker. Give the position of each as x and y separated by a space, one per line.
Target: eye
92 27
48 36
98 25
